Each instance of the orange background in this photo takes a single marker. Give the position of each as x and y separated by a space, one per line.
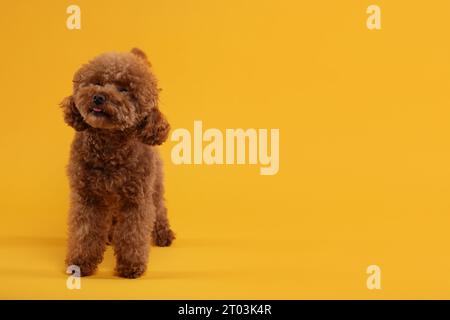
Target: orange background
364 146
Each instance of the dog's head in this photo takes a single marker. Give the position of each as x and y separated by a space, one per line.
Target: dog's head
117 91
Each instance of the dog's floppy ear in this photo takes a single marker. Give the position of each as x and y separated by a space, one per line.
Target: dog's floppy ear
141 55
71 114
154 129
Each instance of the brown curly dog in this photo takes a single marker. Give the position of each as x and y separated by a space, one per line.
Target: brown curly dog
115 171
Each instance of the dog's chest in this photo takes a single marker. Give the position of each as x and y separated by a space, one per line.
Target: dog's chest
120 173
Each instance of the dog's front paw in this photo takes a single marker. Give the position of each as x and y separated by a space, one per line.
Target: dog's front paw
131 271
86 269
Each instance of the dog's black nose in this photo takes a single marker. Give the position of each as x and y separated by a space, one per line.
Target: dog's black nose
99 99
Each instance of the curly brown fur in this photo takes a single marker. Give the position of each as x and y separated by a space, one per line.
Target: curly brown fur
115 172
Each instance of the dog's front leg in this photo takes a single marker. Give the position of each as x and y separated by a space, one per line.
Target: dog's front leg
88 232
131 239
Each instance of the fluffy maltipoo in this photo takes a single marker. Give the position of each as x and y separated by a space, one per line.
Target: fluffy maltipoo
115 171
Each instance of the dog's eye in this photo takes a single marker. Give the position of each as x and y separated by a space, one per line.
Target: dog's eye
98 83
122 89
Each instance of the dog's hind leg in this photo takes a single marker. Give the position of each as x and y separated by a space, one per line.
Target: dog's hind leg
162 234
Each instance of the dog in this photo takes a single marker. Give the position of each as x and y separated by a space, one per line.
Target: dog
115 171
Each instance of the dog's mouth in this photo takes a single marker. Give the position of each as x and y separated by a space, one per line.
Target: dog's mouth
98 112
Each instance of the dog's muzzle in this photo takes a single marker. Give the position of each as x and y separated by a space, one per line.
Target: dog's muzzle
98 99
